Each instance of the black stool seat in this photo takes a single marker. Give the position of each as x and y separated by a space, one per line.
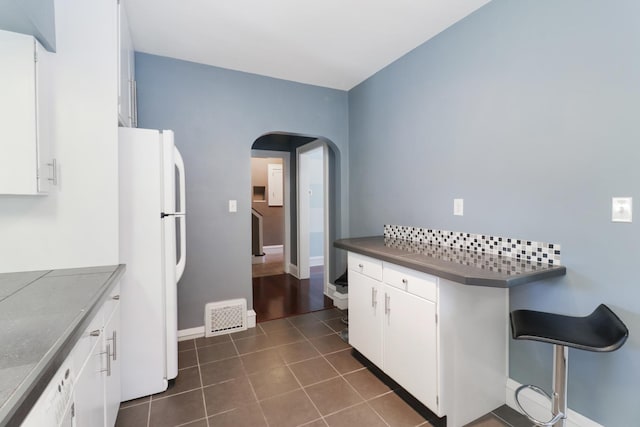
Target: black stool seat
602 330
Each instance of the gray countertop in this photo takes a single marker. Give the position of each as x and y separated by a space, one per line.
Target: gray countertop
457 265
42 315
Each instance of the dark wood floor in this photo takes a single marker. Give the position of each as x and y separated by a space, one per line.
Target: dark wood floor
283 295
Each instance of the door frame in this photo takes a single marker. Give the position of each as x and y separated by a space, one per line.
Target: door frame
303 234
286 164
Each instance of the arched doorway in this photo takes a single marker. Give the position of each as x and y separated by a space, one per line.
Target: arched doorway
292 289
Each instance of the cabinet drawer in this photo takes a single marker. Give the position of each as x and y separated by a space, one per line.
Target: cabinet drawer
370 267
416 283
91 336
112 302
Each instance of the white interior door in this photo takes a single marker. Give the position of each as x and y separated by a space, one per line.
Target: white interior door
312 209
274 184
303 215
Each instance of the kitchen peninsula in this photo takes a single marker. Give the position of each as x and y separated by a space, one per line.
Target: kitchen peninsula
435 317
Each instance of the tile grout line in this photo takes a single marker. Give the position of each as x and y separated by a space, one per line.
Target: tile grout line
298 381
189 422
149 414
340 374
204 401
365 401
313 421
255 395
304 338
133 405
501 419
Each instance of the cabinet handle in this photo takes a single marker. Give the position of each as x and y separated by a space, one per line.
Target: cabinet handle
387 304
404 281
108 353
114 341
108 360
360 266
373 293
116 297
95 333
54 171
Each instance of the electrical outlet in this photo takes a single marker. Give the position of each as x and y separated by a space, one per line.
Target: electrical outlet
621 209
233 206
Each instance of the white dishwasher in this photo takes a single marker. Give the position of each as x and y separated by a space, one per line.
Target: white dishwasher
55 408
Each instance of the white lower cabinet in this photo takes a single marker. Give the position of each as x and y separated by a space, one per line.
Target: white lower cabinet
443 342
112 375
410 344
88 393
365 316
91 375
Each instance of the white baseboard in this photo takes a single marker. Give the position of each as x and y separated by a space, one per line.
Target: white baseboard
315 261
198 332
251 319
293 270
191 333
539 407
273 248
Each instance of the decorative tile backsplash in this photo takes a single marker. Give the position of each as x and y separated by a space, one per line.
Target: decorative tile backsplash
484 261
526 250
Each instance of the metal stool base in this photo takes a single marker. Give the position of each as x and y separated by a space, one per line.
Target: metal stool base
559 397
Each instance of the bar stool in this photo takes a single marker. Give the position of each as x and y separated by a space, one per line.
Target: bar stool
600 331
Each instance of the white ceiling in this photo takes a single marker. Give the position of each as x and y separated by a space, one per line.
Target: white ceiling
330 43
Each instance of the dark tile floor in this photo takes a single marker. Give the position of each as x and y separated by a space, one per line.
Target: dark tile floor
286 372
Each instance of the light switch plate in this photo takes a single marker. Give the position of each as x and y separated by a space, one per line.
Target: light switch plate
621 209
233 206
458 207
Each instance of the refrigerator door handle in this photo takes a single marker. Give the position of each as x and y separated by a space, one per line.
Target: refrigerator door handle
182 220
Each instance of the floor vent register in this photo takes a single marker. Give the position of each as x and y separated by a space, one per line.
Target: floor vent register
224 317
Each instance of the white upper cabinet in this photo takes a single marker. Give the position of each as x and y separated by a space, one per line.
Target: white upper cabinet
26 166
127 109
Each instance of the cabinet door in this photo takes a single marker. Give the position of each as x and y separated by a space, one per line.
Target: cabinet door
365 316
112 375
410 349
18 119
89 390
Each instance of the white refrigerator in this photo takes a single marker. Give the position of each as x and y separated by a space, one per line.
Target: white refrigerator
153 246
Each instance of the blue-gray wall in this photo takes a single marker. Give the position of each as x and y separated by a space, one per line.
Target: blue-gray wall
34 17
217 114
530 111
